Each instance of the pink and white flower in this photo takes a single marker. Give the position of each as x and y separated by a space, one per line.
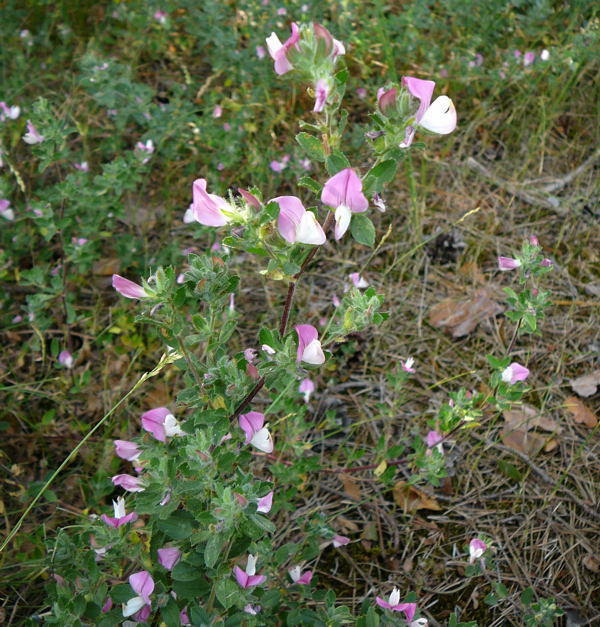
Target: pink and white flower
358 281
143 585
393 604
208 209
127 450
343 193
279 51
508 263
248 578
11 113
309 346
265 503
437 117
299 577
129 483
257 434
477 548
407 365
121 517
339 541
5 211
296 224
82 167
145 148
514 373
32 136
306 387
161 423
321 93
65 359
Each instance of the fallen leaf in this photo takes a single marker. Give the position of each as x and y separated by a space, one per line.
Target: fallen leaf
460 317
587 385
107 266
351 487
591 562
527 417
527 442
347 525
370 531
411 499
581 413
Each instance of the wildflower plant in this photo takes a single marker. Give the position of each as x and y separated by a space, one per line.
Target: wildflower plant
191 537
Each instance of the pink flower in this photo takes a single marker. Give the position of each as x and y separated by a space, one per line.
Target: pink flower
129 483
508 263
160 16
277 166
528 58
296 224
161 423
265 503
248 578
407 365
251 199
249 355
533 240
268 349
306 387
343 193
335 301
321 93
358 281
121 517
107 605
128 288
433 438
184 619
309 347
252 424
279 51
515 372
65 359
339 541
386 98
516 53
168 557
147 147
83 166
32 136
546 263
208 208
260 52
143 585
217 111
361 92
127 450
476 549
299 577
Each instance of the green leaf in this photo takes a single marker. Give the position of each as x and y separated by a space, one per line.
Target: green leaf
213 548
510 471
183 571
227 593
311 184
378 176
311 146
362 230
178 526
336 162
527 596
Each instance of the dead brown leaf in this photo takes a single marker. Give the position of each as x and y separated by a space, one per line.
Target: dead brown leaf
351 487
581 413
527 442
460 317
107 266
591 562
347 525
587 385
527 417
411 499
